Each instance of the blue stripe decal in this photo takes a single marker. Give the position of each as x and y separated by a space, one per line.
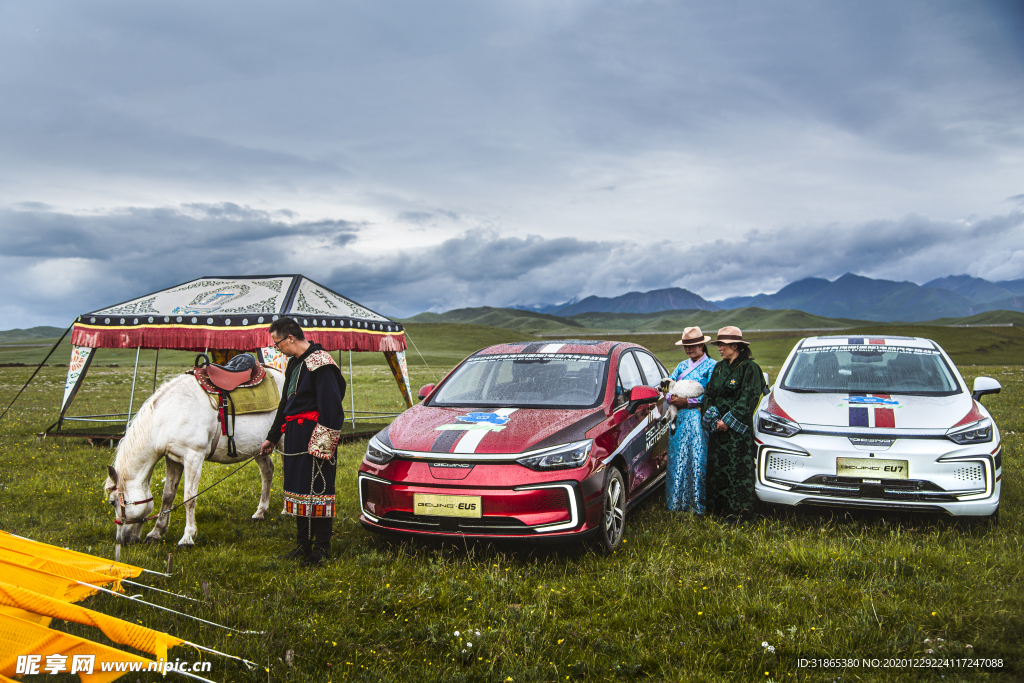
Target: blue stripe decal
855 340
858 417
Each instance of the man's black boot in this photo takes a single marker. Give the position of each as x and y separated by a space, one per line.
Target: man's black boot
304 546
322 530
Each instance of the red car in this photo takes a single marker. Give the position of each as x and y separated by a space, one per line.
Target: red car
536 440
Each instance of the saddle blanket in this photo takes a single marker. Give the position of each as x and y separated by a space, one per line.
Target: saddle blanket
258 396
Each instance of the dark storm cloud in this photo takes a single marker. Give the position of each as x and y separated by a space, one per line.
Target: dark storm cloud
230 91
63 264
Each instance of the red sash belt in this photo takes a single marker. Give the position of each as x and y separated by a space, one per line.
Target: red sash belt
308 415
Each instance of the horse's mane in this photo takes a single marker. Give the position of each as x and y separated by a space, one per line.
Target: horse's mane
133 442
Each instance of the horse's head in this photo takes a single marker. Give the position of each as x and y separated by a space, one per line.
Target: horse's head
131 503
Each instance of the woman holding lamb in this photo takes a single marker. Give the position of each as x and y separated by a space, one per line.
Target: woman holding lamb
687 444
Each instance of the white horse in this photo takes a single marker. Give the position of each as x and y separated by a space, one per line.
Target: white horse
180 422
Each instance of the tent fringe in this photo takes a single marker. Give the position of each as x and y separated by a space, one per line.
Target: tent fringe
193 339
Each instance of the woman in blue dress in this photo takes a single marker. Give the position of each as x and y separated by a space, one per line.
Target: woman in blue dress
688 446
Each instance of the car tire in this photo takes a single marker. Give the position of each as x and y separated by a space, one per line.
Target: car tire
612 527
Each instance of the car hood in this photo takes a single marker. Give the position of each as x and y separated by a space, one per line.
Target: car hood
488 430
874 410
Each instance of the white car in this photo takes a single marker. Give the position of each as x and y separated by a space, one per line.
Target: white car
877 422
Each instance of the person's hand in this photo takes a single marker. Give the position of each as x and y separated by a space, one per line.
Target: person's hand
267 448
678 401
721 426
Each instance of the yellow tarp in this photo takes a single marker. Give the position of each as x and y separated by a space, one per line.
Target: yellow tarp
119 631
70 557
19 637
48 578
45 583
67 571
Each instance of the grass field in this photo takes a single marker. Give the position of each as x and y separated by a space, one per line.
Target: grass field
685 599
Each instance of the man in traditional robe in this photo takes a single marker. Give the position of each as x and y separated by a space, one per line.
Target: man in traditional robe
310 417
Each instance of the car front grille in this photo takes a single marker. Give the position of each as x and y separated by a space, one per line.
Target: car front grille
887 489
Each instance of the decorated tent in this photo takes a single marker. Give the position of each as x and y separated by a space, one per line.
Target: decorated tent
226 315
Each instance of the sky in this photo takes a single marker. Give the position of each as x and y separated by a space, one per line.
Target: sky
428 156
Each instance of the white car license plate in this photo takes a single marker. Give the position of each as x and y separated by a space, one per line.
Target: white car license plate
872 468
446 506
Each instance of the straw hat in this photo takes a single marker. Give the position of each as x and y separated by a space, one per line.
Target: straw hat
730 335
692 336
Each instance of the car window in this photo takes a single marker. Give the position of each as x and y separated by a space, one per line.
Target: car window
872 369
653 372
629 373
534 379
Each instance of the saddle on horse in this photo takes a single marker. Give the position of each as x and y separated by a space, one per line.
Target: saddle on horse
241 372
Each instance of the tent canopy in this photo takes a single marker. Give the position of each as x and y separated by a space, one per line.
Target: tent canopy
233 312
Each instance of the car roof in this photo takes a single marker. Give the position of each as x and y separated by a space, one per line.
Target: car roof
867 340
594 347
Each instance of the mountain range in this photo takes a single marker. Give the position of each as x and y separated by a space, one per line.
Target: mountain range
850 296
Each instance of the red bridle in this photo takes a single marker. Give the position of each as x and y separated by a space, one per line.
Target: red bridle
119 510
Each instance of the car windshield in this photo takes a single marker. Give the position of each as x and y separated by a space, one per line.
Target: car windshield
872 369
525 379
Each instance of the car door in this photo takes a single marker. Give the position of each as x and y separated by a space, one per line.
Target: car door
656 437
631 431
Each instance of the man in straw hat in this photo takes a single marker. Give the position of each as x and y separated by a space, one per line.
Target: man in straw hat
727 414
688 445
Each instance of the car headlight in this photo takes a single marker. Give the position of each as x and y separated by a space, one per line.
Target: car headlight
562 458
767 423
975 432
378 453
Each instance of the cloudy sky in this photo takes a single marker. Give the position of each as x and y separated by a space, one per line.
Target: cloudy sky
434 155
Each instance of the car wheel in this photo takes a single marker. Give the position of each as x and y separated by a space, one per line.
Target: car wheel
613 512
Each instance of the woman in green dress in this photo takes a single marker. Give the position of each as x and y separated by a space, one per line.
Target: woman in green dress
727 415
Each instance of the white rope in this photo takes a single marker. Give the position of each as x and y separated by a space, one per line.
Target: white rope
249 665
158 590
420 354
167 609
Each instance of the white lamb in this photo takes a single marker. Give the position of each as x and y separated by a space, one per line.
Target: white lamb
684 388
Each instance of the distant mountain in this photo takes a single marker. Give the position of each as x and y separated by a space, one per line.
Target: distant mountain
863 298
670 299
974 288
1015 286
544 308
31 334
850 297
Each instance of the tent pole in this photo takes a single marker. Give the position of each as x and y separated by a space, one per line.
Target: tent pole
131 398
156 364
351 390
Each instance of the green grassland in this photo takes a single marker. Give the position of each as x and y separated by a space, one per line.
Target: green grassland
685 599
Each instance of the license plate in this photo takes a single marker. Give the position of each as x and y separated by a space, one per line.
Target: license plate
872 468
446 506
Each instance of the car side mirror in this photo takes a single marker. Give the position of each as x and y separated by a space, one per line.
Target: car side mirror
425 391
641 396
984 386
767 384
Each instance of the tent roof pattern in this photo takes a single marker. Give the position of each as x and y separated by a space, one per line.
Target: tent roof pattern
233 312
